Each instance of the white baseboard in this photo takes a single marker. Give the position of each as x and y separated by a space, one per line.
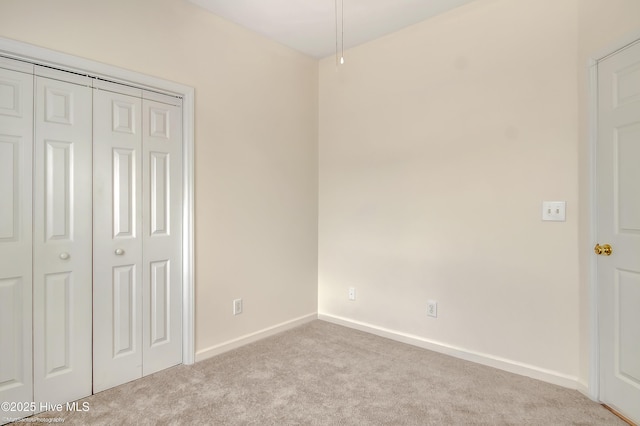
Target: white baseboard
511 366
253 337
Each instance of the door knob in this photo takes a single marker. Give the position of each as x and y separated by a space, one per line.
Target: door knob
119 252
604 250
64 256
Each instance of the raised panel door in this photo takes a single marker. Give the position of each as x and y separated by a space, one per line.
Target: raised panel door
16 140
117 215
162 235
618 192
62 241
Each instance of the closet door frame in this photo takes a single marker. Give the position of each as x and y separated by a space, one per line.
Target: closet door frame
41 56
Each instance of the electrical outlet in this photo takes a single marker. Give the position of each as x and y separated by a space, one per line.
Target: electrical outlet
432 308
237 307
352 293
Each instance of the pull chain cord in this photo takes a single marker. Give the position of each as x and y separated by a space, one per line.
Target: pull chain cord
342 36
336 11
341 60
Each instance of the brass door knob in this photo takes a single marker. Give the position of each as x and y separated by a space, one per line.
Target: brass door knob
603 250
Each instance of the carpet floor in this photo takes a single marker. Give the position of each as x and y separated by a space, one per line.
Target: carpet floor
324 374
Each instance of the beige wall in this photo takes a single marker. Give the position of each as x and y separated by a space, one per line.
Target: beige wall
437 146
255 144
604 25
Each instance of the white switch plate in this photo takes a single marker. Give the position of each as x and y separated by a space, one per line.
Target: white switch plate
554 210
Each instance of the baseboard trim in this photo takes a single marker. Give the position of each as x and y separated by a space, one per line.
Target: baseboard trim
511 366
253 337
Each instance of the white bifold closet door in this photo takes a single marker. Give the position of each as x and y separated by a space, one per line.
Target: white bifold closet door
16 152
137 234
62 278
90 235
45 238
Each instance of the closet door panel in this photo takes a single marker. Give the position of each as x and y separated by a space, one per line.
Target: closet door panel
162 235
117 214
16 140
62 242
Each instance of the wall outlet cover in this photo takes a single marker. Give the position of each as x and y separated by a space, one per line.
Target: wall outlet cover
352 293
432 308
237 306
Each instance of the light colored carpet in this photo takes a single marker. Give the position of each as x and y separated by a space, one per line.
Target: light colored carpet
324 374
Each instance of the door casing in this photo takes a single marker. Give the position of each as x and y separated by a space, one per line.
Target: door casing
593 390
41 56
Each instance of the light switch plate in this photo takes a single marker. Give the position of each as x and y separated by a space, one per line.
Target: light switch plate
554 211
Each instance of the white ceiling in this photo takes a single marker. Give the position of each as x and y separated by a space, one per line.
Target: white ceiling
309 26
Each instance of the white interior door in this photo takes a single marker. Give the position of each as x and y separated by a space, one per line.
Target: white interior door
16 156
117 248
162 232
618 223
62 238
